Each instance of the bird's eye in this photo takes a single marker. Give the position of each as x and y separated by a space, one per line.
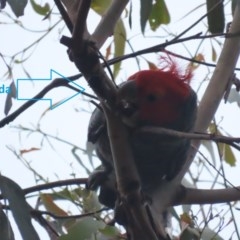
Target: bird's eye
151 97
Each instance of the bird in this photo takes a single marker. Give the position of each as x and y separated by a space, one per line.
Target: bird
159 97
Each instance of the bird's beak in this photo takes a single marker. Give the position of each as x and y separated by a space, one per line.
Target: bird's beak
127 108
128 111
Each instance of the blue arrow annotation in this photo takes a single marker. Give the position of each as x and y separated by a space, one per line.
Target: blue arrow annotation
81 89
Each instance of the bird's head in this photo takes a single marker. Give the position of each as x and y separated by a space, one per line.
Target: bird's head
155 97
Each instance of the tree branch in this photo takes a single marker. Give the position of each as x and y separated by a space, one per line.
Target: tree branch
196 136
80 26
40 187
64 15
108 22
133 207
57 82
204 196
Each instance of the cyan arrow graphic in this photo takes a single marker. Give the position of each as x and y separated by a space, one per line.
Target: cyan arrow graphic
22 81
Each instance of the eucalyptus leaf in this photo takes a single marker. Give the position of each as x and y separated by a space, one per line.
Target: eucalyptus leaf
19 207
17 6
41 10
215 17
146 8
159 15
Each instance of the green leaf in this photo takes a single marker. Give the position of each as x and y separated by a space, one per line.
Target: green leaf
119 39
51 206
224 149
130 15
229 156
100 6
214 54
190 234
19 207
215 17
90 201
84 229
210 234
17 6
159 15
146 8
41 10
110 231
10 96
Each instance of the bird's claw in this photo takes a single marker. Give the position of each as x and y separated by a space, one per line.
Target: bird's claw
96 179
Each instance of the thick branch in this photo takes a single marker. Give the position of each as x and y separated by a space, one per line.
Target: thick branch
108 22
84 54
80 26
73 16
203 196
128 181
64 14
71 7
51 185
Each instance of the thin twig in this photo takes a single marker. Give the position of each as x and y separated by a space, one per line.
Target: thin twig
77 216
198 21
196 136
58 82
162 47
40 187
80 26
64 15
